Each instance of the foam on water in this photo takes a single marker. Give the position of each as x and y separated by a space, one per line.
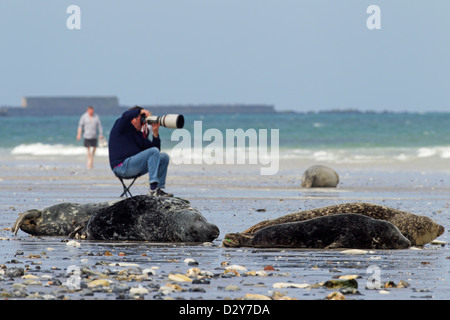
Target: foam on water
343 155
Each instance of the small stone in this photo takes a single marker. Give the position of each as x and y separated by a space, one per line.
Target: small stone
403 284
193 272
98 282
285 285
190 262
354 251
149 271
73 243
138 291
349 291
123 264
336 284
252 296
232 287
201 281
335 296
236 267
349 277
179 277
14 272
269 268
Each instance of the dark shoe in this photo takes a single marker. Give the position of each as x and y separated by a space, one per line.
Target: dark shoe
159 193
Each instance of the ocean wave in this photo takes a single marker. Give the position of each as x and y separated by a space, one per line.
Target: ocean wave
41 149
357 155
368 155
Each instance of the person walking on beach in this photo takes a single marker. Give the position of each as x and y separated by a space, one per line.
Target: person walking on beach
90 123
132 153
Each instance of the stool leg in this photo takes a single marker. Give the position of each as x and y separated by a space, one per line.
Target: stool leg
126 190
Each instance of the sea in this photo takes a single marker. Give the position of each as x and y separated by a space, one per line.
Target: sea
331 137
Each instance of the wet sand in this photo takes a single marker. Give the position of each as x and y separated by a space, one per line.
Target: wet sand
233 198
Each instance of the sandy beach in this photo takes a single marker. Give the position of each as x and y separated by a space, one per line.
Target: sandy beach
233 198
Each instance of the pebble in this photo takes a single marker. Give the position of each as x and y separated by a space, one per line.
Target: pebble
190 262
98 282
232 287
236 268
335 296
252 296
349 277
73 243
138 291
336 284
179 277
354 251
285 285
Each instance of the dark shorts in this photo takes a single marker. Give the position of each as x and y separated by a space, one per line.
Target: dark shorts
90 143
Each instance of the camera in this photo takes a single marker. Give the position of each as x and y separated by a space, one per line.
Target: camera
172 121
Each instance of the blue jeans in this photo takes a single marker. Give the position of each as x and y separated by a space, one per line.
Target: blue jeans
149 160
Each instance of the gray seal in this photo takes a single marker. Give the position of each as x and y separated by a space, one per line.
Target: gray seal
147 218
57 220
319 176
418 229
328 232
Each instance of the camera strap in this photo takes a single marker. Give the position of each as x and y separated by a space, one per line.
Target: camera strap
145 131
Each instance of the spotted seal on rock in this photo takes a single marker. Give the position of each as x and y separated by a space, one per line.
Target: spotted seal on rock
57 220
335 231
418 229
147 218
319 176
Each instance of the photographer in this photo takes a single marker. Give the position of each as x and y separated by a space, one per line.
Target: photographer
131 153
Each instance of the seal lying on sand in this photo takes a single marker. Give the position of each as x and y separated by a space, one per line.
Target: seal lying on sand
146 218
335 231
320 177
419 230
57 220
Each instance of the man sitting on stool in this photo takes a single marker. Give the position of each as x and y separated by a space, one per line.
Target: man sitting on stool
132 154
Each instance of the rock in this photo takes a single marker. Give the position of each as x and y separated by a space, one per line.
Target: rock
190 262
14 272
98 282
349 277
179 278
336 284
232 287
335 296
236 267
73 243
354 252
285 285
138 291
252 296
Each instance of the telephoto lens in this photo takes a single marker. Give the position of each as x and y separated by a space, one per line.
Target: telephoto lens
172 121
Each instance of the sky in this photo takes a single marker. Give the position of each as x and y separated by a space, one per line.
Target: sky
293 54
